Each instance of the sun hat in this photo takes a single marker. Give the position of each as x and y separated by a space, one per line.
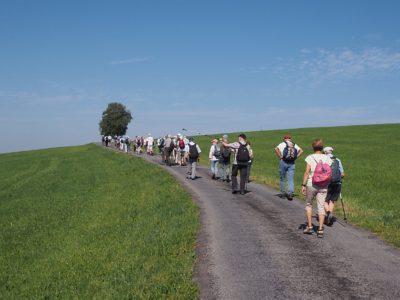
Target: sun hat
328 150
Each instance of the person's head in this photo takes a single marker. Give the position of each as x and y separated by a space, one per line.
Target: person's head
242 137
191 139
225 137
214 141
287 137
328 150
318 145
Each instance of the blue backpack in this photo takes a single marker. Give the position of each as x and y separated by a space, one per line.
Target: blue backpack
336 175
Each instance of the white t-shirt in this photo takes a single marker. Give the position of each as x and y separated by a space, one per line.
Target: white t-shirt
150 141
282 147
313 160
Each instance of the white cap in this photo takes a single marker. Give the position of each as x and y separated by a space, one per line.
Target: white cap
328 150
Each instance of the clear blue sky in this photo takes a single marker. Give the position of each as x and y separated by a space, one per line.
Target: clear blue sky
209 66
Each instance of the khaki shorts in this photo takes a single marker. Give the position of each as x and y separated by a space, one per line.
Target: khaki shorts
320 195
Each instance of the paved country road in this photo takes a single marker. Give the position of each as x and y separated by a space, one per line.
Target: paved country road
252 247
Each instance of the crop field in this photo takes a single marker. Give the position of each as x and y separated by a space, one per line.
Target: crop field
83 222
371 158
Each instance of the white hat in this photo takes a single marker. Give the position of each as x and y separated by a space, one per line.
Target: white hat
328 150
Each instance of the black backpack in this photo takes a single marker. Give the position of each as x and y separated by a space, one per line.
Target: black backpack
336 175
242 155
217 152
289 153
193 152
226 153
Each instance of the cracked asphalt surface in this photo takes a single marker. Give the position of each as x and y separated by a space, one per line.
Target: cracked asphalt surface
252 247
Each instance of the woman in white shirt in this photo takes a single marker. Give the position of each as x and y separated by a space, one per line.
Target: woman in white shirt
315 191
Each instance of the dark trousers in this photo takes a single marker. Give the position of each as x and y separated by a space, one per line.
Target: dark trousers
243 177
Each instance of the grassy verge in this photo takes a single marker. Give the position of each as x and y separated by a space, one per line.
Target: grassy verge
371 158
83 222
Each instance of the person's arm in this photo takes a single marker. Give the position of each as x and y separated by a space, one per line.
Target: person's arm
299 152
210 156
278 153
305 179
341 168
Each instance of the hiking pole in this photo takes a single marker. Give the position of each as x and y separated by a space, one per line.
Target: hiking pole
344 212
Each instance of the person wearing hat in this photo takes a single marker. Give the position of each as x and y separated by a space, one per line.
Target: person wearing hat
287 152
214 157
192 153
335 187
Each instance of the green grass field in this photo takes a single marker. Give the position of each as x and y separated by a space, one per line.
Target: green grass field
370 156
87 223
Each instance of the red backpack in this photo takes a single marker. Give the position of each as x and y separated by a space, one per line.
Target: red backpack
181 144
322 174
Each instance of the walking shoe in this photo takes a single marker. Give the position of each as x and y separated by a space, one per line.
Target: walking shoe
213 177
282 195
320 233
235 192
329 219
289 196
308 230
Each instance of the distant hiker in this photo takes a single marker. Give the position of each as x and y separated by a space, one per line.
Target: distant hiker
335 186
106 141
138 145
150 143
316 179
127 143
224 163
181 146
193 156
249 166
168 149
214 157
121 143
103 140
243 153
160 145
287 152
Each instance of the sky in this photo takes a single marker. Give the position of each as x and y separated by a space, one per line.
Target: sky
207 66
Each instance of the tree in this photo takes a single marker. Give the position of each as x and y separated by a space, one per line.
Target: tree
115 120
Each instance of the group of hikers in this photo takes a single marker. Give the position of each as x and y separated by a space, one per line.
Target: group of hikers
322 178
124 143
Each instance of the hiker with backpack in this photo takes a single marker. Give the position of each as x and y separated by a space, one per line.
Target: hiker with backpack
287 152
242 154
335 186
181 150
316 179
192 156
214 157
224 163
169 147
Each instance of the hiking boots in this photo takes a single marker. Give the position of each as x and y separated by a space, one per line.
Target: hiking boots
320 233
290 196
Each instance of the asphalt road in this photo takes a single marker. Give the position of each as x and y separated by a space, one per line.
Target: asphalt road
252 247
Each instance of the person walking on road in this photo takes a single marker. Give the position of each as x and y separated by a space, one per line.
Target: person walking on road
193 156
150 144
243 153
214 157
287 152
168 149
316 179
335 186
224 163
